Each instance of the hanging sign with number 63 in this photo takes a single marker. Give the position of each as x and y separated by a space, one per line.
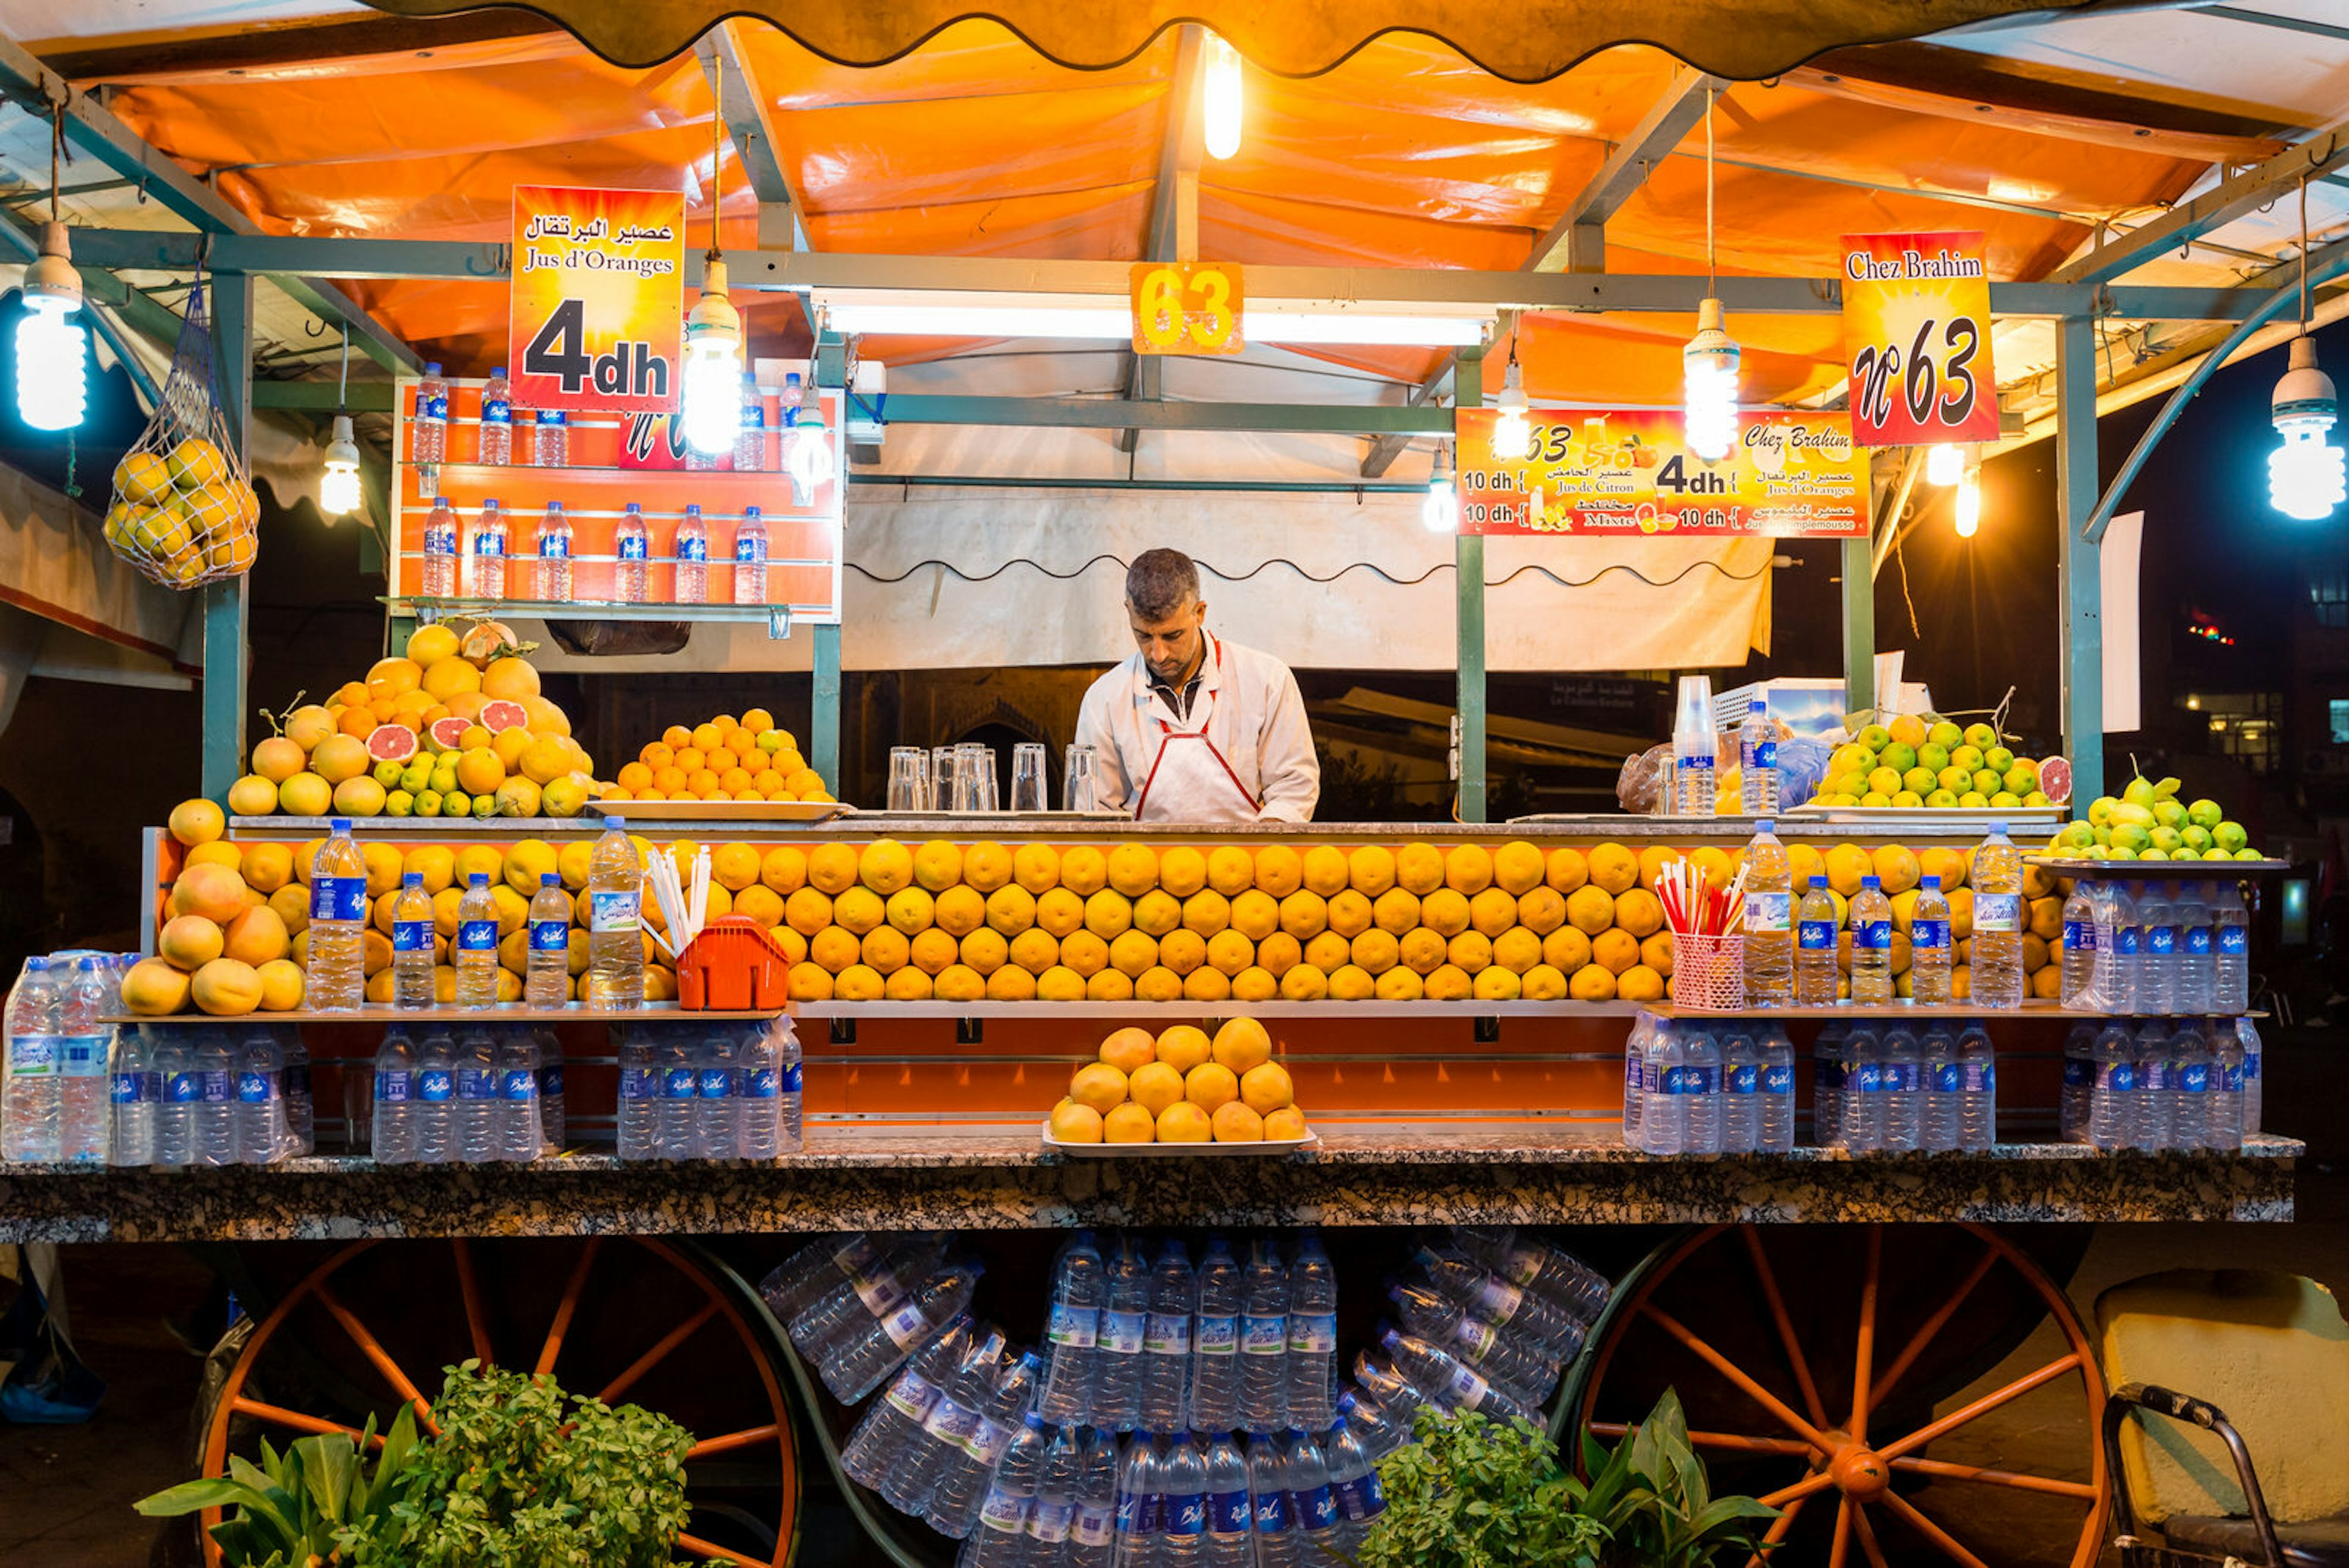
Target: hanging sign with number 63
1916 329
597 310
1187 307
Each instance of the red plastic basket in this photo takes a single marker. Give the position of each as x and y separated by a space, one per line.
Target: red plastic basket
733 966
1709 971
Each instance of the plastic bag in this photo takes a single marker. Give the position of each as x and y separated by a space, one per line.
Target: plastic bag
184 511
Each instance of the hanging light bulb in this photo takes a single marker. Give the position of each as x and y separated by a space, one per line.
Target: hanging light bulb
1968 517
1945 465
1440 511
713 366
1512 432
52 391
808 456
2306 476
1709 386
338 491
1224 98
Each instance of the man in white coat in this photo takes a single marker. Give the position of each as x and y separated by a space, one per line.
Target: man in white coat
1191 728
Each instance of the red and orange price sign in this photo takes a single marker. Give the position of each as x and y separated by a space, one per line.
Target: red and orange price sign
1188 308
1916 327
598 315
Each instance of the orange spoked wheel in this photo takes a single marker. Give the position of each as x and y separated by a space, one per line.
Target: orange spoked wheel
627 1319
1821 1368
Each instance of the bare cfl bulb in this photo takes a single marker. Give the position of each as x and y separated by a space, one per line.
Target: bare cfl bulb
2306 477
1709 386
338 489
713 366
1945 465
808 456
1440 511
1512 432
1221 131
52 349
1968 517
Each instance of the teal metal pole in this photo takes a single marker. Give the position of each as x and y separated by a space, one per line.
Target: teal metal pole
1468 579
824 722
224 604
2078 558
1858 627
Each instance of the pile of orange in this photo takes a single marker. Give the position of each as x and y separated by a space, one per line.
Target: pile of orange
725 759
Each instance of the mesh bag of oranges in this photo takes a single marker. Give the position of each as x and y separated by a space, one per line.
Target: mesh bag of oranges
184 511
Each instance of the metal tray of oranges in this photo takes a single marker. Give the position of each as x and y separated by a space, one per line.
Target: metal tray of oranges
1207 1150
719 810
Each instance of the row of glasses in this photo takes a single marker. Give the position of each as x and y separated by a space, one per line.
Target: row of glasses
962 779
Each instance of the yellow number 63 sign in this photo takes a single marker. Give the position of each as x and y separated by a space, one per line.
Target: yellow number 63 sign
1187 307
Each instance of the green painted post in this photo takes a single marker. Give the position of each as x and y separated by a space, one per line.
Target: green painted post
1468 585
224 604
823 722
1859 627
2079 566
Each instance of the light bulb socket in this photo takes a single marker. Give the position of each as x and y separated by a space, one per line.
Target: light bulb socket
52 277
1713 348
1439 471
714 316
343 447
1512 400
2305 395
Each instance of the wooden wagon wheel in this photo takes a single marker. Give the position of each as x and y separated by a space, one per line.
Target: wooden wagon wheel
629 1320
1791 1397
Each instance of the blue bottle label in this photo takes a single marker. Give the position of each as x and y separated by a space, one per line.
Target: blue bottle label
1928 935
184 1089
1263 1335
1779 1080
2080 936
2153 1073
679 1084
254 1088
1227 1512
632 547
2161 940
1816 936
1745 1078
1899 1077
339 898
1317 1509
434 407
1073 1327
2194 1078
1872 936
442 540
217 1089
489 542
2128 941
791 1079
754 413
758 1083
496 411
1216 1335
2234 940
520 1084
749 548
695 550
636 1084
555 547
390 1086
1271 1512
1757 754
2079 1072
477 936
1867 1078
717 1082
1980 1076
550 936
1947 1079
1830 1073
1187 1513
1697 1081
1674 1081
2117 1077
411 936
124 1088
476 1084
1363 1499
2250 1065
2231 1078
2198 942
550 1082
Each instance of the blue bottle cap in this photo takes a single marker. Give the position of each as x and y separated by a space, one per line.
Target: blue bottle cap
479 880
497 372
339 824
548 879
432 368
1765 824
411 878
1932 882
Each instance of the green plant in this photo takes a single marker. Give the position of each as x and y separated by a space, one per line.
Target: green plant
292 1511
1472 1493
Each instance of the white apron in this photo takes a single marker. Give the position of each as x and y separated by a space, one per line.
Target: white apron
1189 778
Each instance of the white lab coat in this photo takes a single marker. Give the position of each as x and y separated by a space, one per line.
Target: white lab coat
1244 752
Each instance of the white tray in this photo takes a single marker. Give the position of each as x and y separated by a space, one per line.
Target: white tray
1271 1145
720 810
1883 816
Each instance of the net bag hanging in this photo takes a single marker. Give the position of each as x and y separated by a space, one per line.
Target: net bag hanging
184 513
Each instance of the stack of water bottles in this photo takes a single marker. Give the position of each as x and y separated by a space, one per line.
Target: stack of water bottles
1895 1085
2177 956
468 1094
857 1307
711 1090
1708 1086
54 1097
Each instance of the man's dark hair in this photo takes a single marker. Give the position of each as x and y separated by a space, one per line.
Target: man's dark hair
1161 582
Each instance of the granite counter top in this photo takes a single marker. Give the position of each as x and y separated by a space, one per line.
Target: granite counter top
859 1179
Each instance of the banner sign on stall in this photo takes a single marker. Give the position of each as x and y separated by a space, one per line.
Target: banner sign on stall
1916 330
597 316
1188 308
1792 475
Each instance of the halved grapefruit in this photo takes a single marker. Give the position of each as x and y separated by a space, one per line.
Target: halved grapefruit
448 734
392 743
2055 780
499 716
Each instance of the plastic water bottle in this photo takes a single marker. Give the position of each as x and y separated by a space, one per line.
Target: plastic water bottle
2113 1099
1310 1495
679 1088
1071 1331
751 558
2196 981
436 1098
962 1485
1815 948
552 1116
1769 908
1778 1101
1904 1091
789 1095
717 1118
550 444
136 1089
1125 1322
551 577
2120 945
1055 1506
260 1115
1871 945
215 1110
867 1359
1264 1338
175 1108
632 544
886 1435
2231 951
2224 1131
520 1132
430 428
1522 1371
1167 1341
1092 1528
301 1110
2158 964
1757 763
1978 1068
1183 1480
805 1277
1276 1543
411 943
1943 1086
1445 1382
1215 1340
477 1096
1741 1092
1482 1295
1001 1540
1372 1425
757 1093
1354 1483
1827 1085
2075 1107
2248 1034
2082 965
336 973
394 1133
2190 1071
1863 1090
1997 952
1928 946
1701 1094
548 984
85 1044
615 980
497 420
1141 1505
1635 1080
751 435
1390 1389
639 1094
1229 1542
439 579
1694 789
1532 1265
1312 1334
2157 1107
692 550
476 950
1664 1122
954 1416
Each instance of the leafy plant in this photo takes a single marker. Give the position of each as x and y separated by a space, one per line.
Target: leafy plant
292 1511
1474 1494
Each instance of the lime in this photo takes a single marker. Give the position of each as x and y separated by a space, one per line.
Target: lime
2077 836
1884 781
1944 734
1980 736
2131 836
2229 836
1919 778
2216 855
2169 813
2166 839
2020 777
1876 737
1900 757
1942 797
1966 757
1998 759
2153 854
2249 854
1975 800
1930 755
2197 837
2102 835
2139 791
2205 813
1987 782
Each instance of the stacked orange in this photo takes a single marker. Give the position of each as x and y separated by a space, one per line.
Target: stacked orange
725 759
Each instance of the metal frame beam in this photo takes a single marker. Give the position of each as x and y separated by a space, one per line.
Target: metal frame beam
227 653
1576 242
743 106
2078 567
2331 30
2322 153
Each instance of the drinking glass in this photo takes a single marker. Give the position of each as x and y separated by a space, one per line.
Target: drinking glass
942 778
1081 785
968 797
1027 791
990 795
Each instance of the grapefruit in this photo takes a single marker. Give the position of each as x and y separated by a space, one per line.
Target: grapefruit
253 796
304 794
2055 780
188 942
281 985
392 743
153 988
340 757
226 988
256 937
213 892
197 821
429 645
393 677
510 679
451 677
278 759
448 734
503 714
